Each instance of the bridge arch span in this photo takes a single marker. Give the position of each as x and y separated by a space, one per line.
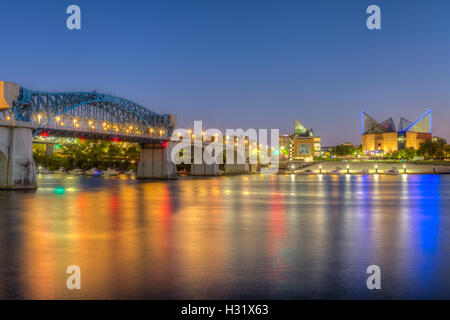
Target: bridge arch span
91 112
84 114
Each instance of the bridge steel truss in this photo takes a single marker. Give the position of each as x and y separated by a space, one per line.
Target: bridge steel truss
89 115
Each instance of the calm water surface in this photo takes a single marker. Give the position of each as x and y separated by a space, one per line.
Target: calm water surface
227 237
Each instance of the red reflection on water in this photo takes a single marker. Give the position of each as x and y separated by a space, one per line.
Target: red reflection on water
276 234
277 218
165 206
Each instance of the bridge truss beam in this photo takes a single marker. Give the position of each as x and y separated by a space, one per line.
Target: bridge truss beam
89 114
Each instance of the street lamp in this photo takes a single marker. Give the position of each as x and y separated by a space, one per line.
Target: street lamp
320 169
348 169
404 168
376 169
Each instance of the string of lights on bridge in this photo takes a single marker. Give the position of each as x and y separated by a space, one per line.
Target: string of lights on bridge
75 124
65 122
227 139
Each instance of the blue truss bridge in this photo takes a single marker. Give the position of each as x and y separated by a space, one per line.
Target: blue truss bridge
25 114
88 114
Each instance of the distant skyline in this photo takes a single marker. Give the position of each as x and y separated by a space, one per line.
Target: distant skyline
242 64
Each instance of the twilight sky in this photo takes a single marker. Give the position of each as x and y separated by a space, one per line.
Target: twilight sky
241 63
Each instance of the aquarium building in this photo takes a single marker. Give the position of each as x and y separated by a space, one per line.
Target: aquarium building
379 138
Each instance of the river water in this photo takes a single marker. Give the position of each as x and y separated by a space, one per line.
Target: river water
236 237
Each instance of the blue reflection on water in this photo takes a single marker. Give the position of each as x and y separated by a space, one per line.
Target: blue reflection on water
425 198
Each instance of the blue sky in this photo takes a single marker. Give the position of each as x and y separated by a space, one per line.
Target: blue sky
241 64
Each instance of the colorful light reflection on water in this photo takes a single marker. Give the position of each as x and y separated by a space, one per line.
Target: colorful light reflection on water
227 237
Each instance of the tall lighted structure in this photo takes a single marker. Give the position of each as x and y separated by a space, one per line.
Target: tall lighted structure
382 137
302 144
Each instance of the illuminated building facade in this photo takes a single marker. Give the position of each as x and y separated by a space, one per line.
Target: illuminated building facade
305 148
301 145
380 138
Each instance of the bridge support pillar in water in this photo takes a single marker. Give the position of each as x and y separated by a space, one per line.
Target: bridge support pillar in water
236 168
155 162
254 168
49 149
205 169
17 167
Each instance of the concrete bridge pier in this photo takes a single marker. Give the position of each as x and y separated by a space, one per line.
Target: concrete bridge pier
205 169
236 168
239 164
155 162
17 167
49 149
208 167
254 168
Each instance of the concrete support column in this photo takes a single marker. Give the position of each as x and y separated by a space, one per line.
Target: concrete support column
155 162
237 165
17 167
49 149
254 168
236 168
205 169
197 169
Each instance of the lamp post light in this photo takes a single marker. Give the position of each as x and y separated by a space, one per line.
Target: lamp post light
320 169
404 168
376 169
348 169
